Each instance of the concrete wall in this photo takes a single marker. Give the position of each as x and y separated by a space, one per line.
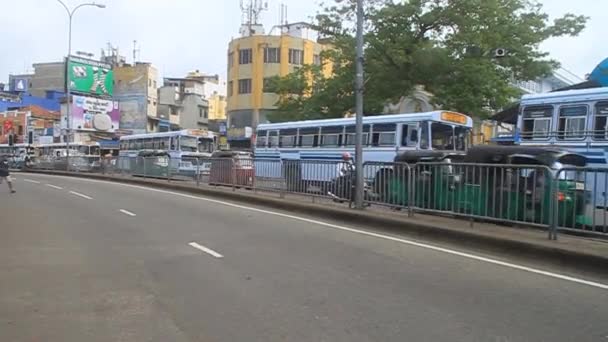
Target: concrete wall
192 108
47 76
135 89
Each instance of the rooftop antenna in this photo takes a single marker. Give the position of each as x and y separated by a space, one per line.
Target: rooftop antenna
251 11
136 51
283 14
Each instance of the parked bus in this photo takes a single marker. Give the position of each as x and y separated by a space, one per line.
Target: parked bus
183 147
384 136
576 120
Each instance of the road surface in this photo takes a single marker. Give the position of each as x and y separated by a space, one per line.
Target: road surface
84 260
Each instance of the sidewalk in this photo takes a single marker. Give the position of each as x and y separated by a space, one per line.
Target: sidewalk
578 252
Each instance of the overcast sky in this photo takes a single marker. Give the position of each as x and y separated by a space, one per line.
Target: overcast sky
178 36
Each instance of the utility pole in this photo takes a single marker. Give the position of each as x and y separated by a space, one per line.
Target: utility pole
359 193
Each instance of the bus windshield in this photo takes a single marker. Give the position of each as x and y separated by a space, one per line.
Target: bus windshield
448 138
188 144
205 145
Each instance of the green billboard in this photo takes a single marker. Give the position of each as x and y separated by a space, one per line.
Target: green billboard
90 77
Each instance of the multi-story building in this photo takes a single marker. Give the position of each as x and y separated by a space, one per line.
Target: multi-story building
214 91
47 77
182 104
135 88
255 57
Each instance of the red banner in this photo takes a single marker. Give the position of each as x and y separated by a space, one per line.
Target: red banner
8 126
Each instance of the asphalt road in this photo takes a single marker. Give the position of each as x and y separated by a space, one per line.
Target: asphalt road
96 261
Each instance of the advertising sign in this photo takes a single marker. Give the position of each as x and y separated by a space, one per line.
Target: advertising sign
90 77
19 84
91 114
8 126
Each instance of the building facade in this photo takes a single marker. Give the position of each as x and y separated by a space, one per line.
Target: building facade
43 124
254 58
182 104
47 77
135 88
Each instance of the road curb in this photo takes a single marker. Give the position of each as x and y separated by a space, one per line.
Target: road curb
400 225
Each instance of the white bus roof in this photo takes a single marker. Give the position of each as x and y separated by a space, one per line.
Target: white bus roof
184 132
391 118
578 95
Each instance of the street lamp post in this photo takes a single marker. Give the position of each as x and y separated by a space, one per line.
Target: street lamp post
67 73
359 193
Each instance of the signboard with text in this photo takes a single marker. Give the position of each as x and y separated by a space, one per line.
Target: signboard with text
87 76
92 114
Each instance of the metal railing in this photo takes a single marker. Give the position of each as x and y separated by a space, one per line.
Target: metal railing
569 199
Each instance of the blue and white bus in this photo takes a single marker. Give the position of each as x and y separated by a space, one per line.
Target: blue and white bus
576 120
183 147
384 136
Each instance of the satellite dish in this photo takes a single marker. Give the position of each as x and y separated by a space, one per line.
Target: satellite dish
600 73
102 122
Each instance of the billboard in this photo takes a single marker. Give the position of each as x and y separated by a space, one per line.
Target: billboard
90 77
92 114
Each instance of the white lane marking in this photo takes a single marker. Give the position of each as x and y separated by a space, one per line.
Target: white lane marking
206 250
54 186
126 212
80 195
363 232
31 181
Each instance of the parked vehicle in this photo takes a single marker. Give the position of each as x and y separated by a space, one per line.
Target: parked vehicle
343 188
151 163
232 168
510 183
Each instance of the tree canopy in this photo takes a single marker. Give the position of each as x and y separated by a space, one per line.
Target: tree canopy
447 46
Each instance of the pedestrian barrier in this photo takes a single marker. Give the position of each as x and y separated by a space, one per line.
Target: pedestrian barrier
568 199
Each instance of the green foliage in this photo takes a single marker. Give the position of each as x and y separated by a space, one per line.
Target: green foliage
445 45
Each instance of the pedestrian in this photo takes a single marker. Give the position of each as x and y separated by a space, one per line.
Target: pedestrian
5 175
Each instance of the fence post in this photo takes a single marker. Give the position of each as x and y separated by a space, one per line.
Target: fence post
169 169
233 174
198 172
553 205
144 162
410 190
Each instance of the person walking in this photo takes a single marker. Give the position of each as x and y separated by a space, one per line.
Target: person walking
5 174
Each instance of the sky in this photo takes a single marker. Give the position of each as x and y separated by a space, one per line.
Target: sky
179 36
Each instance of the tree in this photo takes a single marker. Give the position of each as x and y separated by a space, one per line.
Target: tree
447 46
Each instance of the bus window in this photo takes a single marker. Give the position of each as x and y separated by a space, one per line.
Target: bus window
261 139
148 143
409 135
273 139
95 151
442 136
536 122
331 136
309 137
287 137
173 144
424 135
572 122
384 134
188 143
350 137
600 126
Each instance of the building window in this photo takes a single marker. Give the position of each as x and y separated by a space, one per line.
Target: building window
267 85
230 88
316 60
200 112
272 55
245 86
230 60
154 83
245 56
296 56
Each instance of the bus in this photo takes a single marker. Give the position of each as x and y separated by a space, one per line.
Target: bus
576 120
183 148
384 137
84 156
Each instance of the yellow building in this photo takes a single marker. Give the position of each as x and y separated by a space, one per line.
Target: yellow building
254 58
